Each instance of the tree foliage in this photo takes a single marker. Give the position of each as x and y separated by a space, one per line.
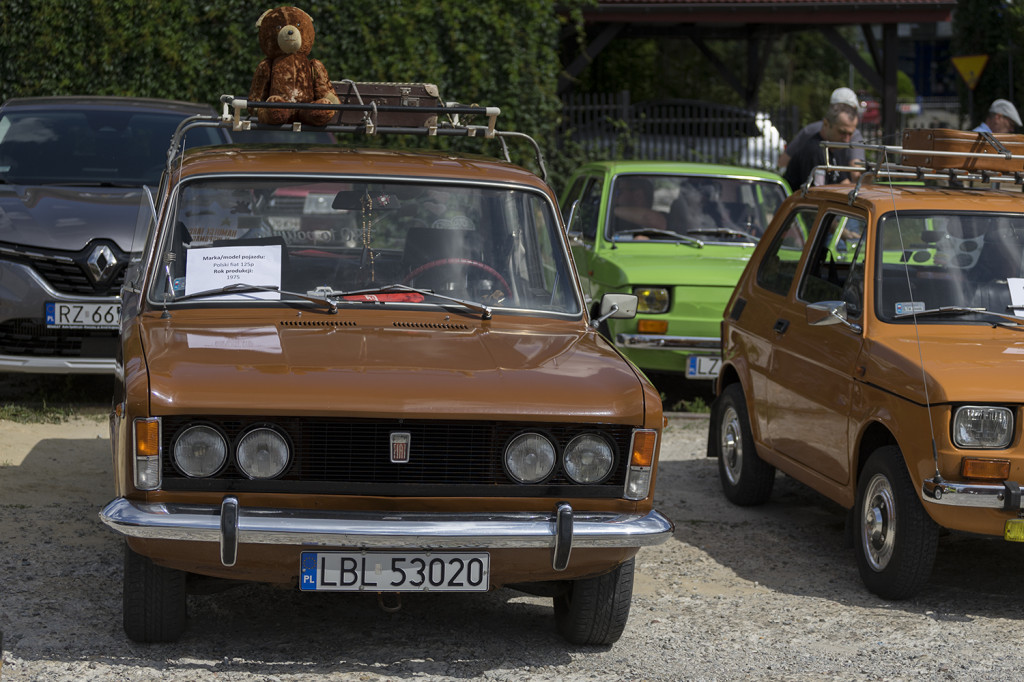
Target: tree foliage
994 28
490 52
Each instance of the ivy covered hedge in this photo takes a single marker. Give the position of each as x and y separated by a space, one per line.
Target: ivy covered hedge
492 52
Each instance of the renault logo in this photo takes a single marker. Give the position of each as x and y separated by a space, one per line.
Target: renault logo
101 262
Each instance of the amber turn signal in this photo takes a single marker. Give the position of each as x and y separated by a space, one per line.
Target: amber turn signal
989 469
652 326
643 447
147 437
1013 531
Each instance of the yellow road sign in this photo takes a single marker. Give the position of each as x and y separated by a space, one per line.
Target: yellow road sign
970 68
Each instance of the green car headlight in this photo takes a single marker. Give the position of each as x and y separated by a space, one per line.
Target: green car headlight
982 426
651 299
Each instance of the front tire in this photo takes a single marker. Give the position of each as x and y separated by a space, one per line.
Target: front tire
154 600
747 479
895 540
595 610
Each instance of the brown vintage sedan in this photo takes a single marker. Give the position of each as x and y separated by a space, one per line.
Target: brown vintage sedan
372 370
872 350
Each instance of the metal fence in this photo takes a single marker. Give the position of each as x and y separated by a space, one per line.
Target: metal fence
610 125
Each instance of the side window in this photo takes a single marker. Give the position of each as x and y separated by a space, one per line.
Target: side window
779 265
585 218
836 263
572 196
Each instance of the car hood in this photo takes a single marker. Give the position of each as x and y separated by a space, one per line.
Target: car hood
961 363
68 218
437 370
680 264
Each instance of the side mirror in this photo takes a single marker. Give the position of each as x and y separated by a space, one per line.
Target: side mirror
825 313
133 273
616 306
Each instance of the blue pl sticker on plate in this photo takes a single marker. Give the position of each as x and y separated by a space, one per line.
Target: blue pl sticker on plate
307 575
51 314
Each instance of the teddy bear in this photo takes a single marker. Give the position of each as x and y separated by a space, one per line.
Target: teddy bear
288 74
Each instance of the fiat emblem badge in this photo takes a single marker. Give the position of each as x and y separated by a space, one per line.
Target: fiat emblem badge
400 446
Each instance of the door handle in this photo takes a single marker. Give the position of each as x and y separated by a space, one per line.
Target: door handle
781 326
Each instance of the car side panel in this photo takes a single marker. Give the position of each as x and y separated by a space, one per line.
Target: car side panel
810 388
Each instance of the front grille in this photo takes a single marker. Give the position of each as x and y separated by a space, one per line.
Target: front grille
68 271
70 278
28 338
447 458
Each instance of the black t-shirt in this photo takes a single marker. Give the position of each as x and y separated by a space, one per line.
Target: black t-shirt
807 155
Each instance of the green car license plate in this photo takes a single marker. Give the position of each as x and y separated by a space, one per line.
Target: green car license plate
395 571
702 366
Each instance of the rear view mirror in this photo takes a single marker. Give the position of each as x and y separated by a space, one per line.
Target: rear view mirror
354 200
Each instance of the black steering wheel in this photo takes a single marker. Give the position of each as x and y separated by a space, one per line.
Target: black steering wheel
467 262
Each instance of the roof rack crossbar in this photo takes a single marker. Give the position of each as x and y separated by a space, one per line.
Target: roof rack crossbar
232 119
953 175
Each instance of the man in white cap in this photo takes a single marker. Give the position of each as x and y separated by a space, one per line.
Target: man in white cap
843 156
1002 118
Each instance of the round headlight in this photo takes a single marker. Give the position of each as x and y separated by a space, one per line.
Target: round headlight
651 299
588 458
200 451
529 458
262 453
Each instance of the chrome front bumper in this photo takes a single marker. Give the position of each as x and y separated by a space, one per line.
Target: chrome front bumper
1006 495
708 345
230 524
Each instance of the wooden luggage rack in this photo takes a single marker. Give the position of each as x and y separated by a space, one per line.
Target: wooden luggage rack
388 109
944 156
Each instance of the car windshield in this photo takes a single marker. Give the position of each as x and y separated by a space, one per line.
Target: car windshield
355 242
707 207
929 261
123 147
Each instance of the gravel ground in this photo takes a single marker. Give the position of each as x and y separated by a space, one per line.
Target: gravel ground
765 593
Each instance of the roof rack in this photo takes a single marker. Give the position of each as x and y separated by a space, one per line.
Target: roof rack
994 165
373 118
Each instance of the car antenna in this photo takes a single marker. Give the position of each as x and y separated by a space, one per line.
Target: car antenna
917 330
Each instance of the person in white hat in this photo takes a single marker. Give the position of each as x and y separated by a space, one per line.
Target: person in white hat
1002 118
853 157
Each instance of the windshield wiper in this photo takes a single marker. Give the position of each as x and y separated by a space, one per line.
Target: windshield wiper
959 310
483 310
655 232
728 231
242 288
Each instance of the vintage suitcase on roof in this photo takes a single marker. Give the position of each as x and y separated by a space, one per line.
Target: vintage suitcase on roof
388 94
962 142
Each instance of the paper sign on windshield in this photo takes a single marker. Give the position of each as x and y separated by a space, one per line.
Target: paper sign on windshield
1016 293
216 267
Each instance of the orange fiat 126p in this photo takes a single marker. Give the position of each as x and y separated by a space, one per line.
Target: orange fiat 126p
873 351
372 371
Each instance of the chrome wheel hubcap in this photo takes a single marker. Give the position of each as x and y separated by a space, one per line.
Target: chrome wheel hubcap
878 525
731 445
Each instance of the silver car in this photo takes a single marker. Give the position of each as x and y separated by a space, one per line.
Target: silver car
71 176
